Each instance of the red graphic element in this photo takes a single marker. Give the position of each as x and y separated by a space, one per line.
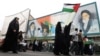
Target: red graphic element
43 19
76 6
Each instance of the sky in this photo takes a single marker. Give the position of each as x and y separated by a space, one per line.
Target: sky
38 8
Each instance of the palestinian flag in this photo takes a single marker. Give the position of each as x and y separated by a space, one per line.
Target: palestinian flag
65 16
69 10
70 7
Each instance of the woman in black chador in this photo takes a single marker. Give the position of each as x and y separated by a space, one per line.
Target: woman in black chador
58 35
67 38
10 41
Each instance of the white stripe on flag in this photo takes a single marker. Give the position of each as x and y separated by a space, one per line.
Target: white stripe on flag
68 6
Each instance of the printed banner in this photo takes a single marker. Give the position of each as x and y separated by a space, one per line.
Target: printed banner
87 20
45 26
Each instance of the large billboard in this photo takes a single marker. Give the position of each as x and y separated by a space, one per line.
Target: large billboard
87 20
23 20
45 26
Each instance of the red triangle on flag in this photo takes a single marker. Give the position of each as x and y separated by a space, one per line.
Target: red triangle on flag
76 6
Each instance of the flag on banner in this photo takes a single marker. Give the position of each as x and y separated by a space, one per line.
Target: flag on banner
70 7
70 10
46 25
87 20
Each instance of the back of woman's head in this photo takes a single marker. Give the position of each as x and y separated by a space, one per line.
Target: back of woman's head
76 29
80 30
59 23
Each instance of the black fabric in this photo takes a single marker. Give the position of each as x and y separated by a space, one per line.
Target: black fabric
39 45
10 41
80 49
34 47
62 40
20 37
67 38
57 43
87 50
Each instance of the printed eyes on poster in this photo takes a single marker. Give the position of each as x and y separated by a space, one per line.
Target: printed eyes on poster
87 20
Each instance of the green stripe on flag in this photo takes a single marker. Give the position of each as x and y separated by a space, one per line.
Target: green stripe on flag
67 10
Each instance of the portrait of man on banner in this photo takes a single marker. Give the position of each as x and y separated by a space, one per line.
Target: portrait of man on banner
87 19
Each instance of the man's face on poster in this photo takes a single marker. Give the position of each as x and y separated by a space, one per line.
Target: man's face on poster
45 30
85 16
32 27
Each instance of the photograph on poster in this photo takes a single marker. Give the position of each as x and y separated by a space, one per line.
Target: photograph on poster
86 19
41 27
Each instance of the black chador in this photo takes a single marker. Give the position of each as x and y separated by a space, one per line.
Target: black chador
10 41
67 38
58 35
